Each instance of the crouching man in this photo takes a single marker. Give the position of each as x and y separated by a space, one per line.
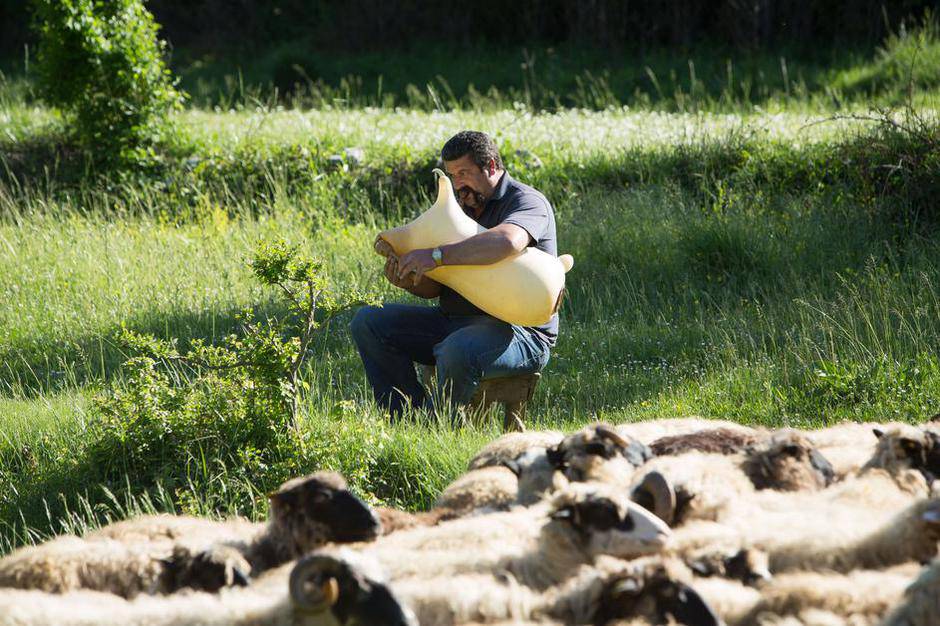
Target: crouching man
464 344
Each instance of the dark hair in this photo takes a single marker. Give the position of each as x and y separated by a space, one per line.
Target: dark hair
478 145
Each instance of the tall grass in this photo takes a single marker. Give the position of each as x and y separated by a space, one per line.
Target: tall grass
748 265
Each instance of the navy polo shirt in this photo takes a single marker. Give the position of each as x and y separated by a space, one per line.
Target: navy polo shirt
513 203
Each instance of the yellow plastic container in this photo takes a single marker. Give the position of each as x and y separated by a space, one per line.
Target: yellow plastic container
524 289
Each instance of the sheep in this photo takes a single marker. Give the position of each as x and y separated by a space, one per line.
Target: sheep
652 593
712 440
159 554
523 480
353 594
784 460
539 545
834 535
850 445
510 445
860 597
901 448
920 605
651 430
494 487
787 461
706 484
598 452
607 590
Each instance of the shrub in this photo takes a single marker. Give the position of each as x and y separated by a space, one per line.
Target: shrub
221 412
101 63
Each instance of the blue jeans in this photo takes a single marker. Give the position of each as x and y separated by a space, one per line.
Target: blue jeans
464 348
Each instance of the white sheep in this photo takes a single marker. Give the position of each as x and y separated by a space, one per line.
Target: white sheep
521 481
608 589
784 460
847 445
363 599
539 545
492 487
510 446
836 535
860 597
159 554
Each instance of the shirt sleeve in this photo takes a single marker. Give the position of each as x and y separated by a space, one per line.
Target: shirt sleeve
530 212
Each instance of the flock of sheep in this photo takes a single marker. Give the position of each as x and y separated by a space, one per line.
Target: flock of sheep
680 521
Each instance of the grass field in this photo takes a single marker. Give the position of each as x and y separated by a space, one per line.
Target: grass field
766 267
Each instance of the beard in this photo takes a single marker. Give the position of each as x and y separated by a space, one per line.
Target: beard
470 198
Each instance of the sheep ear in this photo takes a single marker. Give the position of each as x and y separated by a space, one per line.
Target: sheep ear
605 431
878 432
513 467
555 456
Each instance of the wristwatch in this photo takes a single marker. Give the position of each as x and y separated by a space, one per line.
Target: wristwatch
438 256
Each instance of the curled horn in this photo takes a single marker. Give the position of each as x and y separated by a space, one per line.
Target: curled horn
308 591
608 432
656 490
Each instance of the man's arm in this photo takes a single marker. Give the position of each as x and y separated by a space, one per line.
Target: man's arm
490 246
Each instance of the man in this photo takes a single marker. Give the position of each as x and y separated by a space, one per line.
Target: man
464 343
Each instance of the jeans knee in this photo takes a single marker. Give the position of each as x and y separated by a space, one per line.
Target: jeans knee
360 327
452 360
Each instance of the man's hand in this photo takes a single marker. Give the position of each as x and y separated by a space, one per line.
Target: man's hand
418 261
391 273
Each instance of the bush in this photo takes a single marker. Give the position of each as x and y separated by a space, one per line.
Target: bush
221 412
102 64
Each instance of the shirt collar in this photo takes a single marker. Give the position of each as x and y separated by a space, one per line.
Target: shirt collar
501 187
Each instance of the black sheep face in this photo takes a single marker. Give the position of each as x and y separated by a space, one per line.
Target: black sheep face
208 570
656 597
337 584
318 508
609 524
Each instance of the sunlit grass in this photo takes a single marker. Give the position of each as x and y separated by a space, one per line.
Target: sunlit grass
769 295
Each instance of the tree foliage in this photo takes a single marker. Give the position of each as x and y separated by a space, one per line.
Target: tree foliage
101 63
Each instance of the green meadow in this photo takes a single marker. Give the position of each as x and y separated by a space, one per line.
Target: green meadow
763 252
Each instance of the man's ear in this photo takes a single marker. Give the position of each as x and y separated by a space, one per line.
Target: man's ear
491 167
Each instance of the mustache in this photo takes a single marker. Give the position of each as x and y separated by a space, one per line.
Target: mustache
467 191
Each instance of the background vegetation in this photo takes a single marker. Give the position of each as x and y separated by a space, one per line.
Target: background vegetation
754 226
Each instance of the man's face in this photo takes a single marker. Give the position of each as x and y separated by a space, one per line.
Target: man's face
471 183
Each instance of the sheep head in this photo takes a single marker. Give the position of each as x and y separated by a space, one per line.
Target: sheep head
606 522
318 508
342 584
590 453
750 566
788 461
907 447
207 570
652 593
